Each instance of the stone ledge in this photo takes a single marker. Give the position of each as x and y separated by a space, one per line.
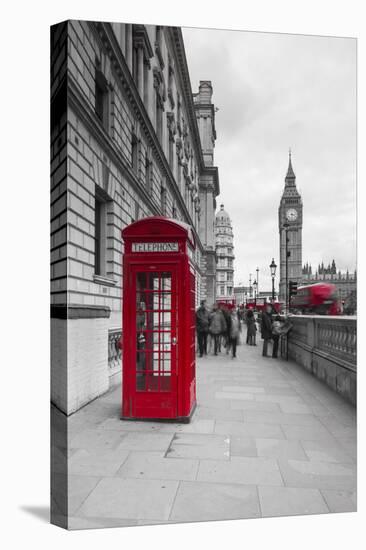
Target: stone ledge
63 311
102 280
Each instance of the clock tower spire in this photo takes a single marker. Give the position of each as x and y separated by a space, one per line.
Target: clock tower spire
290 222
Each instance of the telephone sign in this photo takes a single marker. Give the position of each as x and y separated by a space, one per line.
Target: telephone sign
155 247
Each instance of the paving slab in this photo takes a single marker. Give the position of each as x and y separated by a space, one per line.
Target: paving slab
199 426
249 429
233 395
242 446
96 462
338 426
299 408
325 452
214 501
211 413
76 522
280 448
349 445
288 501
143 441
318 474
254 405
243 389
96 439
276 398
340 501
283 418
116 424
154 465
199 446
246 470
130 499
78 488
313 433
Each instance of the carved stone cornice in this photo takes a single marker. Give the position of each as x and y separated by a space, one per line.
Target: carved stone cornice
182 73
213 173
171 125
159 85
171 97
141 40
179 149
159 55
189 183
187 149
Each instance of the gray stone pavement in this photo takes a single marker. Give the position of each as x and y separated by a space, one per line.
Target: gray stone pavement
267 439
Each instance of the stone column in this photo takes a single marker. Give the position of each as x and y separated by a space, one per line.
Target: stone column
128 54
123 39
140 72
149 93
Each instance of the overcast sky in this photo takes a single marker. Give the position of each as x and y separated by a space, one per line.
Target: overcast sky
276 91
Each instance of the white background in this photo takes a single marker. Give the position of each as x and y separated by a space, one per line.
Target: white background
24 305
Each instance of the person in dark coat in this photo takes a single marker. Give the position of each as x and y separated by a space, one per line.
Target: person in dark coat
251 328
202 325
226 335
266 328
234 331
276 333
217 327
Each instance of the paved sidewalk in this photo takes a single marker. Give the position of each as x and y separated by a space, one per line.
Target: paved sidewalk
267 439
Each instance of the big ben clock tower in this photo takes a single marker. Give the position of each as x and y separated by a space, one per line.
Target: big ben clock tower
290 224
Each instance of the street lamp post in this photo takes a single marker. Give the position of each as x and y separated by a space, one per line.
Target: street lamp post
273 268
286 226
255 284
257 270
250 285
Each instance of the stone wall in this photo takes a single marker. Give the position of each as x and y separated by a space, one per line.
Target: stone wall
327 347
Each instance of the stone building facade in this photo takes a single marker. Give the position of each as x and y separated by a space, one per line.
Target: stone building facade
290 211
128 140
225 256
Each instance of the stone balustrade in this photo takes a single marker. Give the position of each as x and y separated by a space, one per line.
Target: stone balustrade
327 347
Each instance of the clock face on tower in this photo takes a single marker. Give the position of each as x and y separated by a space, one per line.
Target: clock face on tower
291 214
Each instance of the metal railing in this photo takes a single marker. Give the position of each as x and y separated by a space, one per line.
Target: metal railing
114 352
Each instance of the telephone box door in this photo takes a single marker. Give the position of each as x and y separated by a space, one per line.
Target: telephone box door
153 390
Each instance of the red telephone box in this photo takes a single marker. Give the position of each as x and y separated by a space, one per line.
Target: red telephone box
159 359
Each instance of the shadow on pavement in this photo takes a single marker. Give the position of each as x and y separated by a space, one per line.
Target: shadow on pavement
40 512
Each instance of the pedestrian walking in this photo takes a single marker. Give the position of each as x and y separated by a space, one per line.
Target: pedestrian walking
202 326
234 331
251 329
226 334
266 328
217 327
276 333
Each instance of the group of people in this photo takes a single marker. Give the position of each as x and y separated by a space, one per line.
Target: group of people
222 324
271 329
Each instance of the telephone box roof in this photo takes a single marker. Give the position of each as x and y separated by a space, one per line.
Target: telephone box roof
158 226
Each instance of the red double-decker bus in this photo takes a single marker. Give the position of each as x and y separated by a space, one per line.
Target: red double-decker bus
260 303
318 298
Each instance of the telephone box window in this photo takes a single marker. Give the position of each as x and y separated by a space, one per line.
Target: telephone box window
153 328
